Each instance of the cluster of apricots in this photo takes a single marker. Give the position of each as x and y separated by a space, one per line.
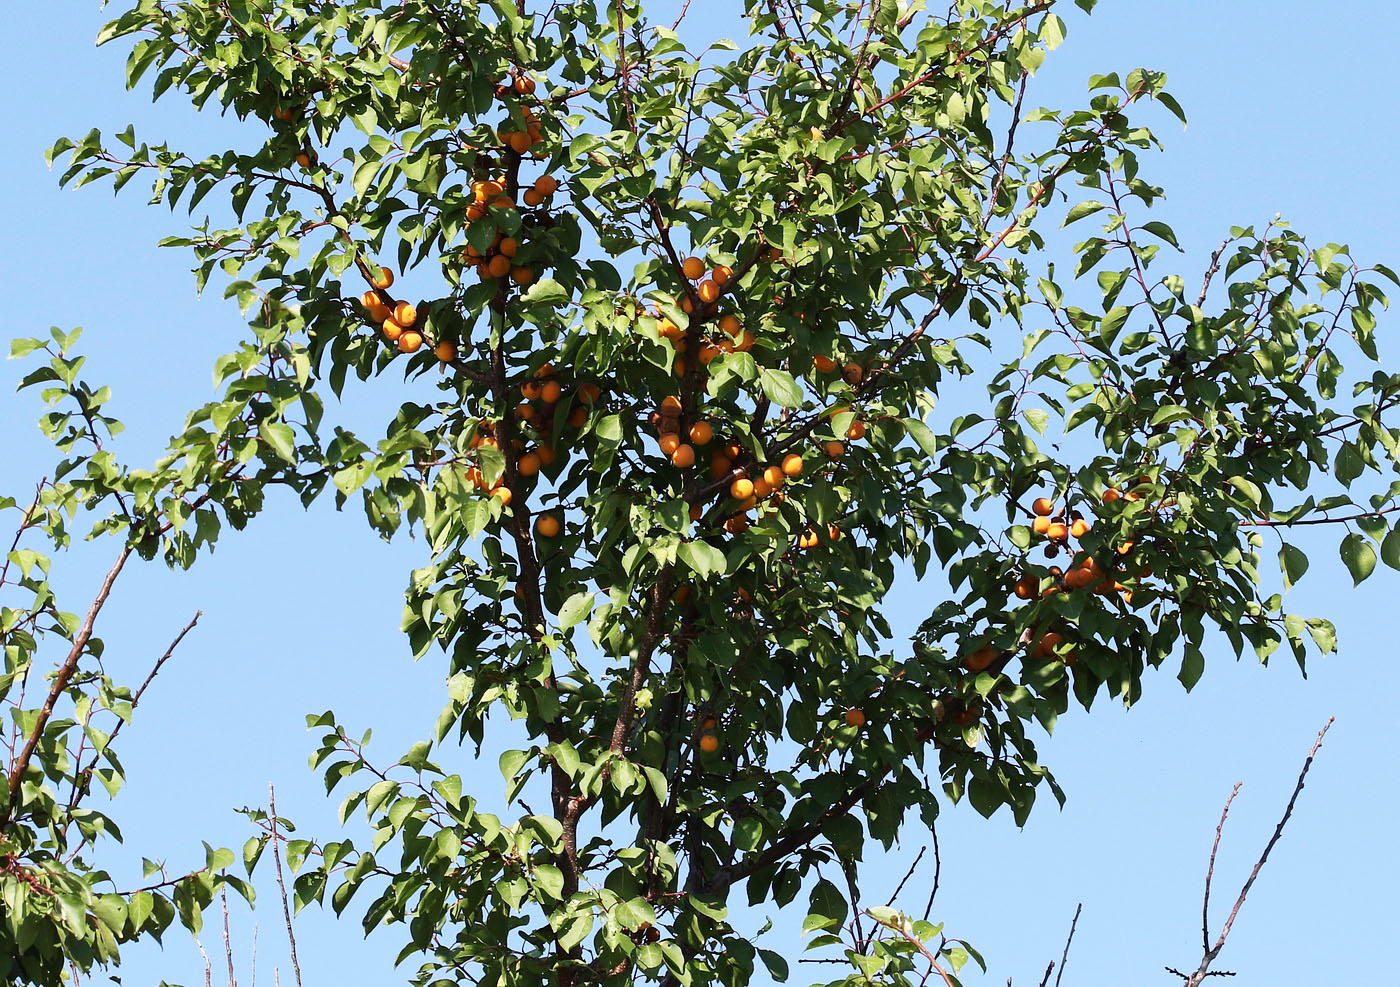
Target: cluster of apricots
851 373
291 113
398 321
500 259
709 737
541 393
493 194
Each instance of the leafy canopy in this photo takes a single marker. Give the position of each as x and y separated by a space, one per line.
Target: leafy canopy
665 500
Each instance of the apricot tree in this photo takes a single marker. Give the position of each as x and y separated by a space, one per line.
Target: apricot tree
675 316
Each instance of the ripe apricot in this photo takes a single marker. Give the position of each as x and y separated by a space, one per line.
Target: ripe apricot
532 198
792 464
522 275
670 443
682 594
741 489
546 454
1058 532
529 464
824 364
709 722
733 451
683 457
1047 643
1079 528
1126 547
546 185
722 275
588 393
745 342
856 431
693 268
1079 577
285 113
855 718
405 314
306 159
1041 524
720 464
547 526
671 406
761 488
578 418
524 85
737 524
708 352
833 531
392 330
853 373
1027 587
729 325
503 495
509 246
709 743
701 433
411 341
551 392
1043 507
383 279
774 476
834 449
981 659
445 351
708 292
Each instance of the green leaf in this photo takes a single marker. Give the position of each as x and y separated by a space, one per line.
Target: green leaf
1359 556
704 560
281 438
575 609
780 387
1081 210
1390 549
1293 563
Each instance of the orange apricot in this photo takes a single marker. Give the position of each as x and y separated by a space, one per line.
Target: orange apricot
411 341
708 292
709 743
701 433
693 268
855 718
551 392
445 351
981 659
383 279
1043 507
546 185
1041 524
522 275
669 443
741 489
792 464
824 364
405 314
529 464
722 275
834 449
683 457
547 526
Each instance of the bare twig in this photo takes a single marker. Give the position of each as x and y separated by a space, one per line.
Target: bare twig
1064 957
282 887
908 874
1210 870
228 940
1203 971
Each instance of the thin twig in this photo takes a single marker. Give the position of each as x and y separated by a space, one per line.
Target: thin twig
1064 957
282 887
228 940
1210 870
1203 971
908 874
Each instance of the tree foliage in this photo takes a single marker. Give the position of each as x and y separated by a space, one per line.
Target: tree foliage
664 501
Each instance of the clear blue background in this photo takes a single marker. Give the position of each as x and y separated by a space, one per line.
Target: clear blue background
1291 110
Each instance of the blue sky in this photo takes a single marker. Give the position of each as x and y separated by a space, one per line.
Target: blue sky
1291 111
